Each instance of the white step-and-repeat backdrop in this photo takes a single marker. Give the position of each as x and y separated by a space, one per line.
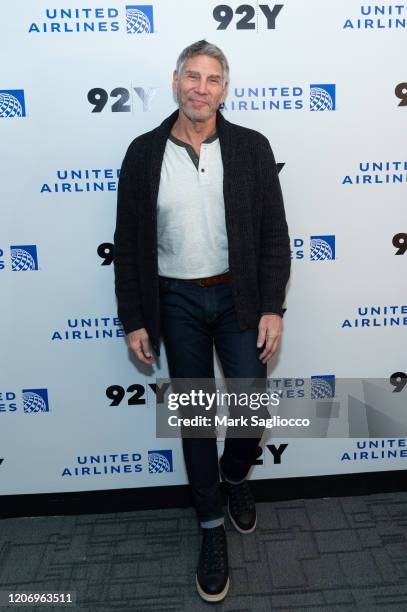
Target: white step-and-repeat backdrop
326 83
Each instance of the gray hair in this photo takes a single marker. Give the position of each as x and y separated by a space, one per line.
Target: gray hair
202 47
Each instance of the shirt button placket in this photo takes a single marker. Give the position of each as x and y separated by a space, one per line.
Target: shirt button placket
202 164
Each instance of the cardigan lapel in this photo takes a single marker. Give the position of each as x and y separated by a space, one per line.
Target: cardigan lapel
157 154
229 147
227 151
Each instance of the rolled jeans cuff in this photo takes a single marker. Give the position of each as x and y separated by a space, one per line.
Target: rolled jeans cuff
213 523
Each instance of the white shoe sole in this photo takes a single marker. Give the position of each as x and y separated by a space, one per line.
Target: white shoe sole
236 526
212 598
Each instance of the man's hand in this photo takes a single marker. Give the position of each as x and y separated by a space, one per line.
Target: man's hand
139 343
269 334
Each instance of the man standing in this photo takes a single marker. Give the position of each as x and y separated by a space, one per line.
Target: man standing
202 258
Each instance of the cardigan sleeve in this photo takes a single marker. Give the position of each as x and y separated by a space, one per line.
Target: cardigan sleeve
275 255
127 286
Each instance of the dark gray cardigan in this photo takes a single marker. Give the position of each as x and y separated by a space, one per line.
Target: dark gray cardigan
259 249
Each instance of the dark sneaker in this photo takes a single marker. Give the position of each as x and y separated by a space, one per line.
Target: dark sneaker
241 506
212 576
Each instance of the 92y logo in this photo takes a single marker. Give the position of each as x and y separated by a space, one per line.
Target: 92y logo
399 381
401 93
399 241
223 14
98 98
276 451
117 393
106 252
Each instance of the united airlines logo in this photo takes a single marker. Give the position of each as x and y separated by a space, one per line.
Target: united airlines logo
382 16
12 103
105 464
130 19
81 180
35 400
24 258
139 19
376 449
322 248
316 387
286 97
322 97
160 461
89 328
322 386
381 172
378 315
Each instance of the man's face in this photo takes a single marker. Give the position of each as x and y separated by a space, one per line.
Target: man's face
200 88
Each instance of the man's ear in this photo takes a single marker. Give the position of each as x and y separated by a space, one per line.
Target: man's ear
225 92
174 80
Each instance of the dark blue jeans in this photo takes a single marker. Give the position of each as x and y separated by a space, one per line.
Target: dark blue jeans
194 319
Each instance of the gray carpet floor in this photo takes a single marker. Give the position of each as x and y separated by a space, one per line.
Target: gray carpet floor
337 554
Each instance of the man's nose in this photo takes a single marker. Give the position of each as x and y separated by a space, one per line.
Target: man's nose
202 86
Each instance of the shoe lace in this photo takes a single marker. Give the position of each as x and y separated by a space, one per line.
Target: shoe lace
241 497
213 550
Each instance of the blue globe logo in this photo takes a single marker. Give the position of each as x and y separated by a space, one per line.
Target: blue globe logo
158 463
320 250
320 100
137 22
33 402
10 106
320 388
21 260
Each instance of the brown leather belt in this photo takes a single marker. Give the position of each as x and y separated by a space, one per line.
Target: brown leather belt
209 281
